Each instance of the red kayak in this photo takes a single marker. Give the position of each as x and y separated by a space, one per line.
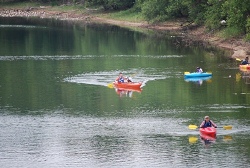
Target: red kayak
244 67
208 133
128 85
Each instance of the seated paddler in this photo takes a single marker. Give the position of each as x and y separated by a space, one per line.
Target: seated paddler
120 78
207 123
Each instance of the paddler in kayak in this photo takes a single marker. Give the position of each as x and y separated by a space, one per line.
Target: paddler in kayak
199 70
207 123
245 62
120 78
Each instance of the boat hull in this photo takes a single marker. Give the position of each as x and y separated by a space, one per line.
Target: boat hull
128 86
197 79
208 133
244 67
197 74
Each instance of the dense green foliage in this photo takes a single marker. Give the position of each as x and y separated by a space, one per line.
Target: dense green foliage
113 4
231 15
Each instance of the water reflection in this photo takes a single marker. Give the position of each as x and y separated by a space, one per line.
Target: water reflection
199 80
192 139
245 75
227 138
57 111
207 141
127 92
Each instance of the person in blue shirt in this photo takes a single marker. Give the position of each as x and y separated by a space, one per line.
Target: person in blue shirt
120 78
245 62
207 123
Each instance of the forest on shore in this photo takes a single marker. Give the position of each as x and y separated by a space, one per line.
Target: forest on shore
230 17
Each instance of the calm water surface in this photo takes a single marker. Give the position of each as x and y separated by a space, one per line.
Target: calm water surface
56 109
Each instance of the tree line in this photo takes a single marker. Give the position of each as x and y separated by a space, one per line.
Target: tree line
233 16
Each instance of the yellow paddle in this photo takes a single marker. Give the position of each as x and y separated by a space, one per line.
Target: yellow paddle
226 127
192 127
237 59
110 85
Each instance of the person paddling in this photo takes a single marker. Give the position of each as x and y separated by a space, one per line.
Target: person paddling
199 70
207 123
120 78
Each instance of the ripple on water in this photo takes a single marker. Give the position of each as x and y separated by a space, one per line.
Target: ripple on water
20 26
61 141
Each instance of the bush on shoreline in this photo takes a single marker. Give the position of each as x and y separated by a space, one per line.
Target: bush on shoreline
230 16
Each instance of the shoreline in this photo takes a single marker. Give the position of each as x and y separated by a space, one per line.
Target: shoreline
238 47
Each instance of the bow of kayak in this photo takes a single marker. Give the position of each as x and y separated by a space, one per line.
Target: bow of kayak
128 85
208 133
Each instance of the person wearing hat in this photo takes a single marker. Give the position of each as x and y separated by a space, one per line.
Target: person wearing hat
199 70
207 123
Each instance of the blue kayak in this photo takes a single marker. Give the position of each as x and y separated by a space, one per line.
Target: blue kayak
197 74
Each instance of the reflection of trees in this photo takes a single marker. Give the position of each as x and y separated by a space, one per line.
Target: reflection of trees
246 76
37 84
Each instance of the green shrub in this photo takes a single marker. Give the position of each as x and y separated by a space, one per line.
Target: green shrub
213 15
177 9
230 32
113 4
236 13
248 29
154 10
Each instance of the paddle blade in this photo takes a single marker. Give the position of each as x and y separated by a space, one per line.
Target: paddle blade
110 85
227 127
185 73
192 127
237 59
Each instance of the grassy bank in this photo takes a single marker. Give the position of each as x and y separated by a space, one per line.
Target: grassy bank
127 15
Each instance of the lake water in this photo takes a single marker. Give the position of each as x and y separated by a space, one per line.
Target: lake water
56 109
